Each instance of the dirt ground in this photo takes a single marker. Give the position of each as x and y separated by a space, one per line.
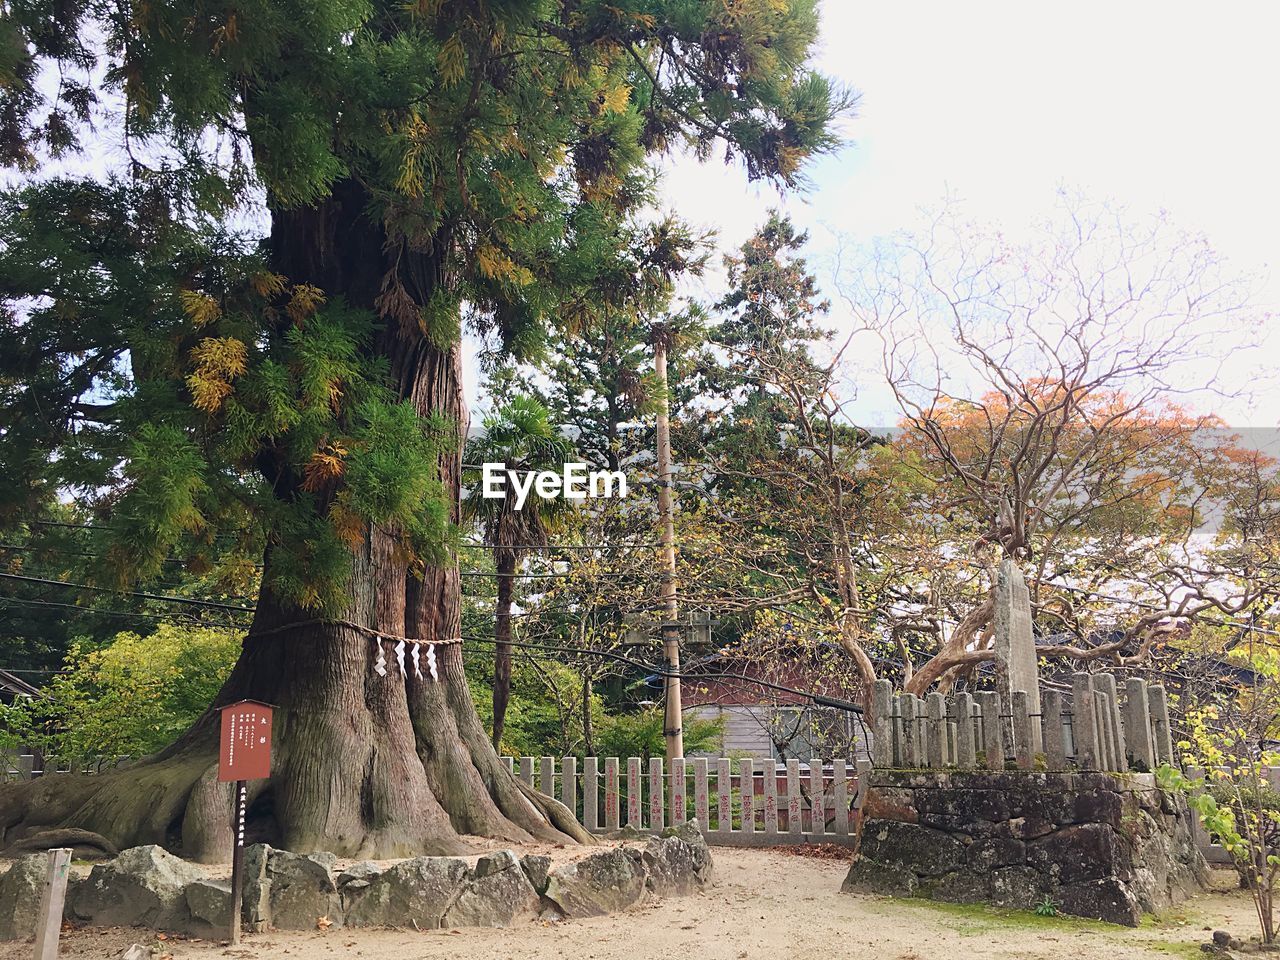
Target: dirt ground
765 904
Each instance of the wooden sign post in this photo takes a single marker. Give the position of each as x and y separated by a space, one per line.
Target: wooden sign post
244 754
49 922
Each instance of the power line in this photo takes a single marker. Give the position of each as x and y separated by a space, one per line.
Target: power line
166 598
140 615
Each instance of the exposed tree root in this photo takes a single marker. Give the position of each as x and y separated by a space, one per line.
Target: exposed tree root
85 843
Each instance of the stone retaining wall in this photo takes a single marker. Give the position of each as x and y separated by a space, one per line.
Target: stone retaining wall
149 887
1106 846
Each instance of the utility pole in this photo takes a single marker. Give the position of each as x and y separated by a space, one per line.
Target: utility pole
666 509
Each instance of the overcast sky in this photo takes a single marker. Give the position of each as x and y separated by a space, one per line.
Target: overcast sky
1157 106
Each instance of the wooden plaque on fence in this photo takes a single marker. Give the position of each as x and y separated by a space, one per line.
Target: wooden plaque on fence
245 749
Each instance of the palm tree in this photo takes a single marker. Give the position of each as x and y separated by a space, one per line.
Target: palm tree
521 436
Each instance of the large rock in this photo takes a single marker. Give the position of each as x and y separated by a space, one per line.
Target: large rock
498 895
1104 899
606 882
870 876
302 889
414 892
20 891
255 898
678 863
924 851
209 903
1087 851
538 870
144 886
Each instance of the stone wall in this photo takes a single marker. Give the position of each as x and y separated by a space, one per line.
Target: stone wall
149 887
1100 845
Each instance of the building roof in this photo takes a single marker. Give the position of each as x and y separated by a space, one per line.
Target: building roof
11 683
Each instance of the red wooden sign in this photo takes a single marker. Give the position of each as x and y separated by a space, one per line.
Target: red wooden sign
245 751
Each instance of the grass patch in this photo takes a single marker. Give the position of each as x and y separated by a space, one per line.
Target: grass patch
977 918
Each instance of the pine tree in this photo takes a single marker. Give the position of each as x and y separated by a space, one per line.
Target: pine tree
421 165
521 437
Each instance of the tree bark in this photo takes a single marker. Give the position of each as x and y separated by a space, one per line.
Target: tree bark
363 765
506 567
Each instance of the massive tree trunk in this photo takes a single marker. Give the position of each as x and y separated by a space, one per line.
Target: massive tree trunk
363 765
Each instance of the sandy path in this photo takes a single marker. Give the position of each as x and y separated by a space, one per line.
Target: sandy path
764 904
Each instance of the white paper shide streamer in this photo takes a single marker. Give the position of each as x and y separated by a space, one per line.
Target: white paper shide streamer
416 656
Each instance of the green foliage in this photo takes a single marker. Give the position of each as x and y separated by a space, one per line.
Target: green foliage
544 716
1235 801
1047 907
422 163
130 697
639 734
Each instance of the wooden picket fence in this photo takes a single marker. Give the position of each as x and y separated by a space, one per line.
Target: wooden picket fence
1095 729
736 802
26 766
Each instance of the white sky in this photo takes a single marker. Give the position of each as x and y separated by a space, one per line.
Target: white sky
1157 106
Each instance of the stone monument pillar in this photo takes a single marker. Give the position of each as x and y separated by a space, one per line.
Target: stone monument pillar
1017 665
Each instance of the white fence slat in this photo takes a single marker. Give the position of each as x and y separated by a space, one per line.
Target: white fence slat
510 764
1084 722
747 794
657 795
590 793
678 786
724 795
1119 751
634 800
569 783
1160 728
701 808
771 797
882 722
992 729
794 825
548 779
910 731
526 770
1137 724
966 751
936 730
1053 735
611 811
817 798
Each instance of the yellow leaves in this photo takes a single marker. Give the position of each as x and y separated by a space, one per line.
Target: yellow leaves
496 265
411 180
218 361
616 98
267 284
226 33
306 300
199 307
325 467
452 61
348 524
789 160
